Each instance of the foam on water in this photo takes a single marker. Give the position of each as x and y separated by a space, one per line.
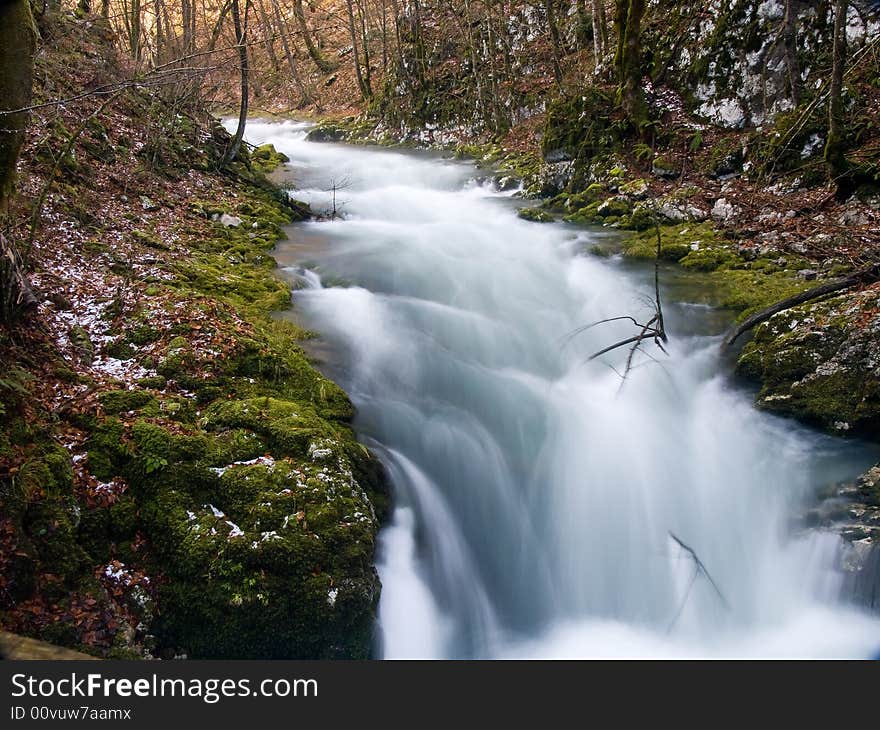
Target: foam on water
536 499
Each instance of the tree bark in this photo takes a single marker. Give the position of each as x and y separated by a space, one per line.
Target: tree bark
18 41
600 32
268 35
555 41
134 38
629 56
835 146
241 37
791 59
284 33
314 52
355 53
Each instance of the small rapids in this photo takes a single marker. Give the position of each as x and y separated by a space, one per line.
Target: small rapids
536 499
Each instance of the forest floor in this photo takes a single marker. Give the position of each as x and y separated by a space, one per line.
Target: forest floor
126 395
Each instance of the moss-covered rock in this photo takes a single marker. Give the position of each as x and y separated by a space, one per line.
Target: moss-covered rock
536 215
819 363
118 401
266 158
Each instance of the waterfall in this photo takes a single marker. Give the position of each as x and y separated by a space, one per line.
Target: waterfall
541 503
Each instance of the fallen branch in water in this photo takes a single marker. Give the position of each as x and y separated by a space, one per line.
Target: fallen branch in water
867 275
653 329
698 569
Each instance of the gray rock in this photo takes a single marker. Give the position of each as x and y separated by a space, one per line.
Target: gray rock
230 221
148 204
808 274
853 216
724 211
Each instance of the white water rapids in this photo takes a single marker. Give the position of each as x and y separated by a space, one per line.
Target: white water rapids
534 497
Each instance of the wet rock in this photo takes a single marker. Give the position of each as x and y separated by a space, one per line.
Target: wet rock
820 363
616 206
852 510
553 177
536 215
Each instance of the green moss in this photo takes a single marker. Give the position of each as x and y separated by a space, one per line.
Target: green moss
579 126
118 401
536 215
750 291
346 129
676 241
641 219
813 363
288 546
709 258
156 382
266 158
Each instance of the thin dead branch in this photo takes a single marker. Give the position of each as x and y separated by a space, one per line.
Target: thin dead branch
866 275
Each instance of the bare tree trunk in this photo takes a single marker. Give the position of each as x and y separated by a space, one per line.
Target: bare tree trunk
186 13
159 55
835 157
18 39
314 52
555 42
629 53
241 37
600 32
791 59
135 30
268 34
365 91
17 48
366 47
284 32
218 26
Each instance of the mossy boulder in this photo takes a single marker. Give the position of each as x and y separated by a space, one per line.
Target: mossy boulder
119 401
275 563
266 158
819 363
676 241
535 215
635 189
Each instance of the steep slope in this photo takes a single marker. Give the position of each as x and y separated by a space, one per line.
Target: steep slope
175 477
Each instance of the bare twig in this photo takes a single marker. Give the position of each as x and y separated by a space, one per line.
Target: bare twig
654 329
701 568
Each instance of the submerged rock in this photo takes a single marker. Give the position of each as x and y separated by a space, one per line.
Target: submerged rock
852 510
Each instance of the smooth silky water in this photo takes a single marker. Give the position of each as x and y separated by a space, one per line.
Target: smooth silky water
535 495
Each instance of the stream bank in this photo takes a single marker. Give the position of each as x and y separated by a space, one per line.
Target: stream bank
176 479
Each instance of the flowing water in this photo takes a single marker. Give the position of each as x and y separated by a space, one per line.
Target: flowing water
536 495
